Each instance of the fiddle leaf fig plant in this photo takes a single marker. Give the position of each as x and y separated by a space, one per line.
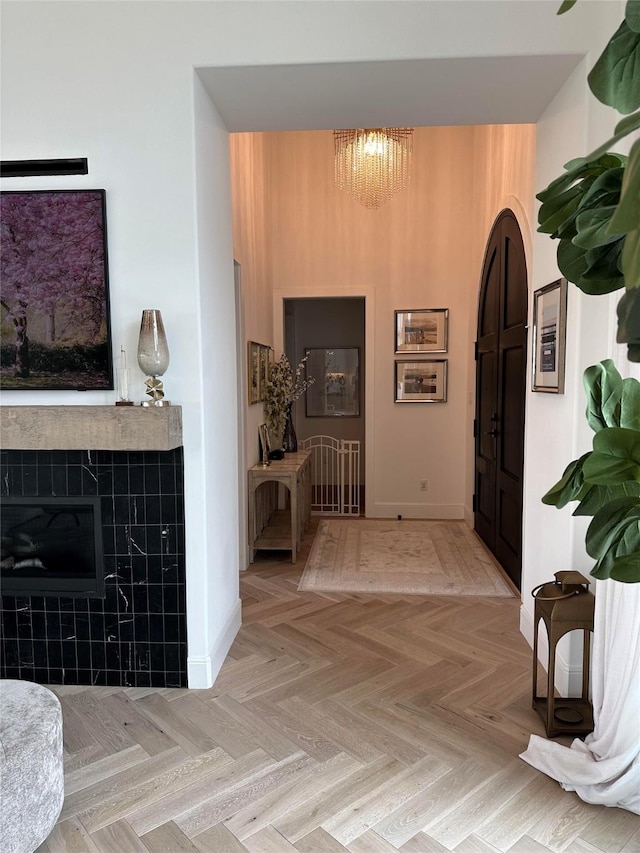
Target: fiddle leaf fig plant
593 208
606 480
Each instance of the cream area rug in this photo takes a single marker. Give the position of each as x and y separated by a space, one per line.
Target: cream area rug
414 557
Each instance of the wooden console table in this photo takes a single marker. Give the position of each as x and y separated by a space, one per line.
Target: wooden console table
270 528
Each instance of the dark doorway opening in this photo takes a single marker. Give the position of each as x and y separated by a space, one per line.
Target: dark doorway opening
329 322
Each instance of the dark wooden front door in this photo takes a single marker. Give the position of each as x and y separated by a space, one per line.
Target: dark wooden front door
500 395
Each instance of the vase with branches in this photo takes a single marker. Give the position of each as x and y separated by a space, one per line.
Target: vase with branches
284 387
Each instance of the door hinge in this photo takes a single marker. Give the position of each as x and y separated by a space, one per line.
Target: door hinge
475 427
475 350
474 503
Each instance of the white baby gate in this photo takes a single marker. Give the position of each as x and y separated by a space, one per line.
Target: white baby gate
335 475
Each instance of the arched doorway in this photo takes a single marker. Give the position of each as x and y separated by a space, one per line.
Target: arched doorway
501 358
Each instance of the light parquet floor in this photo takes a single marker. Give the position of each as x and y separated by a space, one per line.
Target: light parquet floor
368 724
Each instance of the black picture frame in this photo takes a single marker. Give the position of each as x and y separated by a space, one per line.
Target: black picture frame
55 320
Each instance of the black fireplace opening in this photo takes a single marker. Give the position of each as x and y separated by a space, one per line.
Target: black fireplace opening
51 546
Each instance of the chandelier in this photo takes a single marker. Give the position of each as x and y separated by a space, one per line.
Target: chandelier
373 164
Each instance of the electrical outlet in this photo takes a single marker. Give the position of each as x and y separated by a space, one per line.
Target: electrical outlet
423 485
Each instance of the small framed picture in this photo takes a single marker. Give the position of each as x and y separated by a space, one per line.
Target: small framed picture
421 381
253 360
265 358
549 337
422 330
265 444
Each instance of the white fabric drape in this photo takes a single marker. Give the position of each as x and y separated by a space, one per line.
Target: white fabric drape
605 768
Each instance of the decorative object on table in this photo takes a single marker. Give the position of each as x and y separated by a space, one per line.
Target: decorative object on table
563 605
122 381
153 356
549 335
373 164
265 444
284 388
421 381
289 437
55 301
336 393
422 330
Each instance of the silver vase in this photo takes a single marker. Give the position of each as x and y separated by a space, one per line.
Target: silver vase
153 355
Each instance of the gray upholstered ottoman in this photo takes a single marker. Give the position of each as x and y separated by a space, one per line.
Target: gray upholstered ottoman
31 768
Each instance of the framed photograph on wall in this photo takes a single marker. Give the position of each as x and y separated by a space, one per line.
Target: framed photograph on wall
421 330
263 380
55 328
549 337
421 381
253 362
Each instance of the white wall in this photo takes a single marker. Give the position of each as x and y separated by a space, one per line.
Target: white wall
556 429
114 82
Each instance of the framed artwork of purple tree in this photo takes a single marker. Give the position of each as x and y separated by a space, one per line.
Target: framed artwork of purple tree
54 322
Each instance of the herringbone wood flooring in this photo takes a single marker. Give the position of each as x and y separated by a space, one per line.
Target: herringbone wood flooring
369 724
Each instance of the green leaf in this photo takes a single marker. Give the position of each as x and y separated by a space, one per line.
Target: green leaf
626 569
630 404
593 286
572 260
595 192
582 167
615 457
629 319
566 5
558 209
627 215
595 497
603 263
630 260
569 486
593 228
614 79
604 387
632 15
627 125
614 532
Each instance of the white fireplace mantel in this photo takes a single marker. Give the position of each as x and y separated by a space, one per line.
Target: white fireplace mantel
90 428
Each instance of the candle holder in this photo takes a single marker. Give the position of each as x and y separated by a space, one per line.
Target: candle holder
153 356
122 381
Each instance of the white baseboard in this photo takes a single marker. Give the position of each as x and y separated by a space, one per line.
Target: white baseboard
568 676
202 670
469 516
452 512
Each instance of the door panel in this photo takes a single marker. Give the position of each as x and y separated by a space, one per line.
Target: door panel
500 395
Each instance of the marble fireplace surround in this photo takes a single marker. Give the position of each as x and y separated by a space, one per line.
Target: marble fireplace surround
132 459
